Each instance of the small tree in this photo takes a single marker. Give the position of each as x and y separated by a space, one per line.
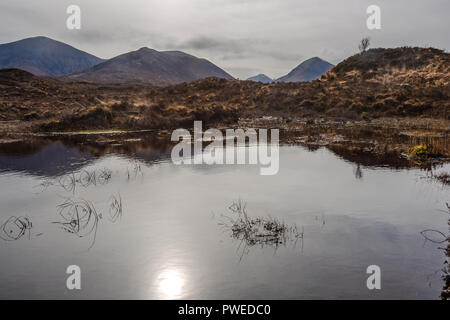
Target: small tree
364 44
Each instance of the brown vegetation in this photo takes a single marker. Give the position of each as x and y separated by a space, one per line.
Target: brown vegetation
411 82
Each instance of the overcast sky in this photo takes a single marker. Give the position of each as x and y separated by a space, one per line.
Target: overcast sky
244 37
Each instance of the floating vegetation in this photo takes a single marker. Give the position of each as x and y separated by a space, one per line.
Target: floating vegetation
438 237
443 177
135 170
445 294
68 182
80 218
87 178
15 228
45 184
115 208
83 178
104 176
434 235
250 231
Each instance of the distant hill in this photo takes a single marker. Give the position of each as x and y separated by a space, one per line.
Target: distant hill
151 67
308 70
261 78
45 57
404 64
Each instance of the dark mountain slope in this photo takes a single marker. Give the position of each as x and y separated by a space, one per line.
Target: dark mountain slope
45 57
261 78
152 67
308 70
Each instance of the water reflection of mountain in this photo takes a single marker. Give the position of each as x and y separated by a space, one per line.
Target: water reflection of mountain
57 156
49 160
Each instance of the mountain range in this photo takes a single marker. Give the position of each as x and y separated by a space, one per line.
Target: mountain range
43 56
308 70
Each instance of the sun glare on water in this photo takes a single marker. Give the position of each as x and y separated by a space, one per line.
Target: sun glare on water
170 284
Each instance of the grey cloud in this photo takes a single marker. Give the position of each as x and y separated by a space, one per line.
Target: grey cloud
242 36
222 45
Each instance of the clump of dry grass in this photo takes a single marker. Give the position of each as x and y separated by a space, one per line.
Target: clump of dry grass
445 294
15 227
84 178
104 175
438 237
79 217
258 231
136 170
115 208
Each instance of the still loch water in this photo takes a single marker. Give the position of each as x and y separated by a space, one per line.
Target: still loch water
153 230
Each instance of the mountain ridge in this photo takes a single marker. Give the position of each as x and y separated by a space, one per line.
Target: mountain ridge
261 78
44 56
150 66
308 70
